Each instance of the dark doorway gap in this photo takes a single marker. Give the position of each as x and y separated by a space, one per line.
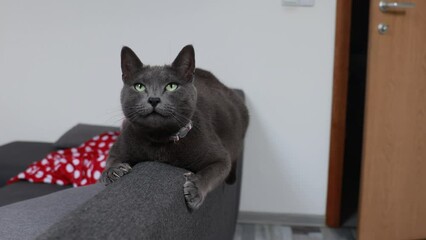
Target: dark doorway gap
355 112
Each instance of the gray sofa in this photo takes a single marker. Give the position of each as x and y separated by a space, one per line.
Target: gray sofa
156 210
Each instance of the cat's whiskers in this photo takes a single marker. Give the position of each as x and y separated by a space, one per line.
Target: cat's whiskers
135 110
136 107
180 118
181 124
114 115
116 120
170 112
132 115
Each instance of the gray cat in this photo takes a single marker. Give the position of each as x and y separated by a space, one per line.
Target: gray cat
179 115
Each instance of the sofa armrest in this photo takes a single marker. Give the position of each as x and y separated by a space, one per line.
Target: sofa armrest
148 203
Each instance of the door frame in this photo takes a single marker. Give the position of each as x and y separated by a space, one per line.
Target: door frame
338 117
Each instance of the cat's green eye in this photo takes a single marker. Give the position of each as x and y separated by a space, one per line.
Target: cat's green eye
139 87
172 87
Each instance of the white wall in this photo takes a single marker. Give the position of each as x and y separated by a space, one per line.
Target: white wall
59 65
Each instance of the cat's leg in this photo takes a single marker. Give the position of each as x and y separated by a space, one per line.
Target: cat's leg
115 168
114 171
198 185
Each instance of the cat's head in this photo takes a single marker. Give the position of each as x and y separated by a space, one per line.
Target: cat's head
158 98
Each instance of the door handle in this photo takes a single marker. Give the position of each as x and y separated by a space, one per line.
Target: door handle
385 6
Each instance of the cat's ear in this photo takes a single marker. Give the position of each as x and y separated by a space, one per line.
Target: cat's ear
185 62
130 63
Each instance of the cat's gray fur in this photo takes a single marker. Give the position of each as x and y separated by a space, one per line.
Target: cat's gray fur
211 148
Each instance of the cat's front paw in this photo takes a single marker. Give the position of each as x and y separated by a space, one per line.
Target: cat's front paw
114 173
194 197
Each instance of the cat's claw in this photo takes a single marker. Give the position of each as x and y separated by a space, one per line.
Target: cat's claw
193 196
114 173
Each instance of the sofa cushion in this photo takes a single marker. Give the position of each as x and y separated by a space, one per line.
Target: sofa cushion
20 191
79 134
27 219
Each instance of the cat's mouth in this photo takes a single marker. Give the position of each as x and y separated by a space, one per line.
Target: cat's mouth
156 112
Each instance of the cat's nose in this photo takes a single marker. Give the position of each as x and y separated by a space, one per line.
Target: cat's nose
154 101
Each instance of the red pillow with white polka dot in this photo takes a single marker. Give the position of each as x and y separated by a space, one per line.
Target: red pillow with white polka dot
77 166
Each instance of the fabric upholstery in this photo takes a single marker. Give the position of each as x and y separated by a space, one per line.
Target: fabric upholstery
25 190
27 219
148 203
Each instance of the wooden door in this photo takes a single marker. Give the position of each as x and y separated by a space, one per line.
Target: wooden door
393 179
